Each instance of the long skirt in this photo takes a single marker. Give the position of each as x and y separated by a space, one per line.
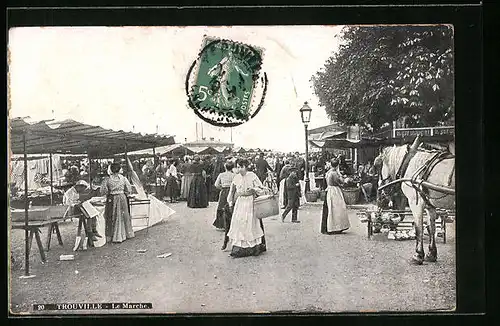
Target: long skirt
198 194
210 189
185 184
334 217
247 232
213 191
172 187
214 194
117 219
221 207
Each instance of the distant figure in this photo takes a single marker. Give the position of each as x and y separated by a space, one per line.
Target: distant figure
334 219
186 178
278 165
301 168
293 194
217 169
223 217
117 216
198 193
285 172
261 167
172 184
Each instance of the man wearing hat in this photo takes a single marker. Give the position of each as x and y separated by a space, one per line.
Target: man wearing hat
292 190
73 197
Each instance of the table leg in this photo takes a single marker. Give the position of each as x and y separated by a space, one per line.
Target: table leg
89 240
59 238
40 246
443 228
30 242
80 223
49 235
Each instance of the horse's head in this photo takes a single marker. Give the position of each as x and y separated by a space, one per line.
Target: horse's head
382 166
386 167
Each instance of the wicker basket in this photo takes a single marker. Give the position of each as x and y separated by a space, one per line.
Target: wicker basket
351 195
266 206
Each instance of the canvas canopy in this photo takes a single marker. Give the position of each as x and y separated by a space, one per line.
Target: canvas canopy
204 150
173 149
73 137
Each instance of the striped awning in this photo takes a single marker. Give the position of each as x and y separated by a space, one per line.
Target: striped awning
73 137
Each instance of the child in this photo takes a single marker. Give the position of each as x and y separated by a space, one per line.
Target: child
293 192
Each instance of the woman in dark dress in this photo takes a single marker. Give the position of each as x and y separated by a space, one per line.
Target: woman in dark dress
223 217
198 194
218 168
209 180
172 185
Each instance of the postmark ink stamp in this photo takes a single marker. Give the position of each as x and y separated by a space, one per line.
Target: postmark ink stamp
225 85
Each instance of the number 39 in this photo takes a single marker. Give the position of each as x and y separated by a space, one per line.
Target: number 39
203 90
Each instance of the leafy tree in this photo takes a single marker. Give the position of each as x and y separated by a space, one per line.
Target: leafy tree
381 74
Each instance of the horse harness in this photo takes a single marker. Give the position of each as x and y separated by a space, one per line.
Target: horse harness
423 173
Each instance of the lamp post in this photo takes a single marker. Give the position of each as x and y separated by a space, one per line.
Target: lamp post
305 114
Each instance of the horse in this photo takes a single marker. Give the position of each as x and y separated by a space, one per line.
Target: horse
431 167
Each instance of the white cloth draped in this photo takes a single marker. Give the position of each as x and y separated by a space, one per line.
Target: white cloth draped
156 210
337 210
141 194
245 230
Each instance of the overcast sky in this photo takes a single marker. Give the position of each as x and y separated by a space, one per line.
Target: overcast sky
132 78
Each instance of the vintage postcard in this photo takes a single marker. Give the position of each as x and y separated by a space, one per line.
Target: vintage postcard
231 169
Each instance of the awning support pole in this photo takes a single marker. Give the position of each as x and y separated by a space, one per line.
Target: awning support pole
126 161
90 170
26 207
154 166
51 181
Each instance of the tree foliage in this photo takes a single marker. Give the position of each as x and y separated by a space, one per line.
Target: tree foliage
383 73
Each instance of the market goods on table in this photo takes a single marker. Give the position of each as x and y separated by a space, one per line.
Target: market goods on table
38 213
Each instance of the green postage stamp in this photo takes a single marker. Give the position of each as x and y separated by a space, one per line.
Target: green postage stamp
225 85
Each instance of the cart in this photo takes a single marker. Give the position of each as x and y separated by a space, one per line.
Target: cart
402 221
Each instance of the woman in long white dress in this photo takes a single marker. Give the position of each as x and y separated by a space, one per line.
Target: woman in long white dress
334 218
246 233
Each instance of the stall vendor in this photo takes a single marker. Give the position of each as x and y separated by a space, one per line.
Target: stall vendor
73 197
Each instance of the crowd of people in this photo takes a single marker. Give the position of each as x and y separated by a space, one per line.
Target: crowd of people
233 182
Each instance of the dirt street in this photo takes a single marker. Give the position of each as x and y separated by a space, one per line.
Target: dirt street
303 270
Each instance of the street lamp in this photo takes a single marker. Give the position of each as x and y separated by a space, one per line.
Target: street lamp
305 114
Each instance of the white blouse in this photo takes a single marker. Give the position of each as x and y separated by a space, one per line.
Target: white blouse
172 171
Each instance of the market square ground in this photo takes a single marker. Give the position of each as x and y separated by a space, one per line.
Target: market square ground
302 271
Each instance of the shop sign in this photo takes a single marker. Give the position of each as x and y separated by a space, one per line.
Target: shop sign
425 132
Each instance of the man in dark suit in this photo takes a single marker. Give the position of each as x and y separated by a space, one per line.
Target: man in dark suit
278 165
293 194
261 167
301 167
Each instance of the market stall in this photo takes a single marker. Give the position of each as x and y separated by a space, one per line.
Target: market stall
353 190
67 137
